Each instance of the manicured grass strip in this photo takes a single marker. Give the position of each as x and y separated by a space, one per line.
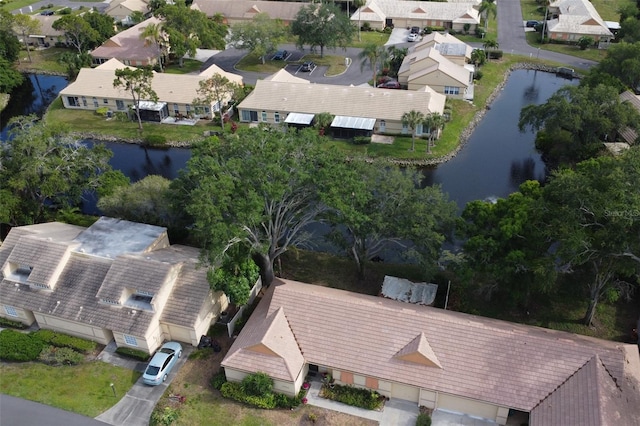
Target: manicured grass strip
83 389
17 4
592 54
188 66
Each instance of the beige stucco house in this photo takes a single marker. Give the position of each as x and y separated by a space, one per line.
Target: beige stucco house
45 36
93 89
115 280
283 98
449 46
236 11
121 10
426 66
439 359
450 15
573 19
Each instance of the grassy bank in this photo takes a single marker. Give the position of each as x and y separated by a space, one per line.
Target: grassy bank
83 389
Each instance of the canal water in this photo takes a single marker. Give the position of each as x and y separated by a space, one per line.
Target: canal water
495 161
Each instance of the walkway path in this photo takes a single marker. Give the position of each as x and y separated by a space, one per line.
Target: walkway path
396 412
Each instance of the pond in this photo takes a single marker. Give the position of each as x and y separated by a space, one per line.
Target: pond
495 161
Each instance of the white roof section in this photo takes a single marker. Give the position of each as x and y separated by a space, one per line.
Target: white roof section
349 101
456 12
98 82
358 123
297 118
285 76
406 291
578 17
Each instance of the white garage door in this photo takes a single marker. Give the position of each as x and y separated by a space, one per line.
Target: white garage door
409 393
467 406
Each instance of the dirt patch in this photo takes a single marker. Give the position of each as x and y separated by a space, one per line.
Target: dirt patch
193 397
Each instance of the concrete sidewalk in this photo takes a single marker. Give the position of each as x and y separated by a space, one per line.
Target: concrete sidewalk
134 409
396 412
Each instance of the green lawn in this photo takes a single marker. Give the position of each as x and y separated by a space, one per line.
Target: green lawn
607 9
90 122
368 37
10 5
43 60
592 54
83 389
188 66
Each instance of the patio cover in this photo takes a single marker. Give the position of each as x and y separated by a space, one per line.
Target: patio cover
299 118
360 123
151 106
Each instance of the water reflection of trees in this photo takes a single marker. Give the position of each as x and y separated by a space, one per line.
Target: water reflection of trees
522 170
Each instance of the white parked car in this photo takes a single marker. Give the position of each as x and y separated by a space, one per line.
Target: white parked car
162 363
413 37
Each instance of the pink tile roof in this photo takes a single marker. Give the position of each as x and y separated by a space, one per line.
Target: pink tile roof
590 397
127 45
508 364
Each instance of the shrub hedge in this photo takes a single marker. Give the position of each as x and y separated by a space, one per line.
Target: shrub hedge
60 356
218 380
356 397
257 384
61 340
361 140
423 420
16 346
133 353
235 392
6 322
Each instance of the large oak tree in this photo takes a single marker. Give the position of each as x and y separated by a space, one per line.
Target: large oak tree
322 25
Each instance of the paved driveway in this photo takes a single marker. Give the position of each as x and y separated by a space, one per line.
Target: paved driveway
134 409
20 412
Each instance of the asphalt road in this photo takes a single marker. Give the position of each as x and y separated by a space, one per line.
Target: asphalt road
100 6
20 412
511 37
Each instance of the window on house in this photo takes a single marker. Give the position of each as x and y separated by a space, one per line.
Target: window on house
264 116
130 340
105 101
276 117
244 115
11 311
73 101
419 129
188 108
120 105
176 109
84 101
451 90
95 102
405 129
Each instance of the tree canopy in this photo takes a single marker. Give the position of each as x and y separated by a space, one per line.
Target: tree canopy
259 188
259 36
623 63
215 90
576 120
136 82
78 32
322 25
593 213
9 43
382 206
25 25
43 169
188 29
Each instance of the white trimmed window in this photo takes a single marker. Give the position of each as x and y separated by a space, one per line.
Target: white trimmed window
451 90
276 117
130 340
11 311
264 116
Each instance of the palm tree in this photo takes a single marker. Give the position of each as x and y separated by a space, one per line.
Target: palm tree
152 34
478 57
358 4
488 7
434 122
412 119
372 53
490 44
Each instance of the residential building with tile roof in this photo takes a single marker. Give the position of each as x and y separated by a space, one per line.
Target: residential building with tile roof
429 67
128 47
93 89
439 359
121 10
450 15
362 109
449 46
46 34
236 11
573 19
115 280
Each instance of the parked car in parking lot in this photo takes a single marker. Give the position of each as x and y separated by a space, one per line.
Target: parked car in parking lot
391 84
532 24
280 55
308 66
47 13
413 37
415 30
161 364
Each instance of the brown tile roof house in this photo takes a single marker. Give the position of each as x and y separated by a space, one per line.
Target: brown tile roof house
235 11
114 280
127 47
439 359
45 34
